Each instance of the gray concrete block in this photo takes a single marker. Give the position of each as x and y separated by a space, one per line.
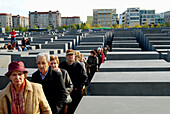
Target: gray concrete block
125 45
124 38
131 83
87 47
154 47
5 60
93 39
134 65
168 56
70 43
29 61
124 105
83 51
125 49
74 44
92 43
124 41
132 55
55 46
37 45
15 56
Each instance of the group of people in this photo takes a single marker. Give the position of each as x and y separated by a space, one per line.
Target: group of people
13 45
56 87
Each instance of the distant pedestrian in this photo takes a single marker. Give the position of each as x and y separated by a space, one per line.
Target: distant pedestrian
13 34
91 64
23 42
27 43
9 46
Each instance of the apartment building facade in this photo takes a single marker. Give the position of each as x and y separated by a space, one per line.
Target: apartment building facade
89 20
70 20
159 18
167 17
147 16
104 17
6 20
20 20
131 17
120 19
43 19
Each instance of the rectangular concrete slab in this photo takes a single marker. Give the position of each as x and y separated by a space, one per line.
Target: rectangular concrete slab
15 56
125 49
124 105
134 65
5 60
132 55
125 45
131 83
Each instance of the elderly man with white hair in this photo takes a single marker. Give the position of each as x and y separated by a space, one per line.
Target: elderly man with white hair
52 82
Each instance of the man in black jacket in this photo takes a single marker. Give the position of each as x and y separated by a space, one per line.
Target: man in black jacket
78 77
52 83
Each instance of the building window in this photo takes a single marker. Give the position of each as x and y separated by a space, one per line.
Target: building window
108 15
108 18
134 18
148 16
104 19
109 11
99 11
143 16
99 15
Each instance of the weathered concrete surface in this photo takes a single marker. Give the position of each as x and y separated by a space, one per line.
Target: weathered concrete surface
134 65
124 105
131 83
132 55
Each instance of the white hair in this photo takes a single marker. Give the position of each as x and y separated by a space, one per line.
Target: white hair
44 54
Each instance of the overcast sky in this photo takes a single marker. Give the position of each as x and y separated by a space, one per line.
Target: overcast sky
82 8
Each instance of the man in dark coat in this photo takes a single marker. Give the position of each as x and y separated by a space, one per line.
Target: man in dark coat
92 64
78 77
52 83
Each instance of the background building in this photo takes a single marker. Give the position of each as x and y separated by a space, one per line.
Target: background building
131 17
43 19
147 16
159 18
104 17
70 20
120 19
5 20
20 20
89 20
167 17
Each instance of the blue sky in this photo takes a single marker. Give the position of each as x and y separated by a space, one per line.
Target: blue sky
81 8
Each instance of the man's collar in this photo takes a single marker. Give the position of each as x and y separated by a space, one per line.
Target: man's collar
43 76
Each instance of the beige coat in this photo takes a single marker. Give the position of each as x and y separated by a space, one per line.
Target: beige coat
33 96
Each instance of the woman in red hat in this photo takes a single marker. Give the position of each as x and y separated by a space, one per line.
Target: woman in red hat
21 96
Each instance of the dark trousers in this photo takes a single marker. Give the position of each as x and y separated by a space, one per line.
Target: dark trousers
76 97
